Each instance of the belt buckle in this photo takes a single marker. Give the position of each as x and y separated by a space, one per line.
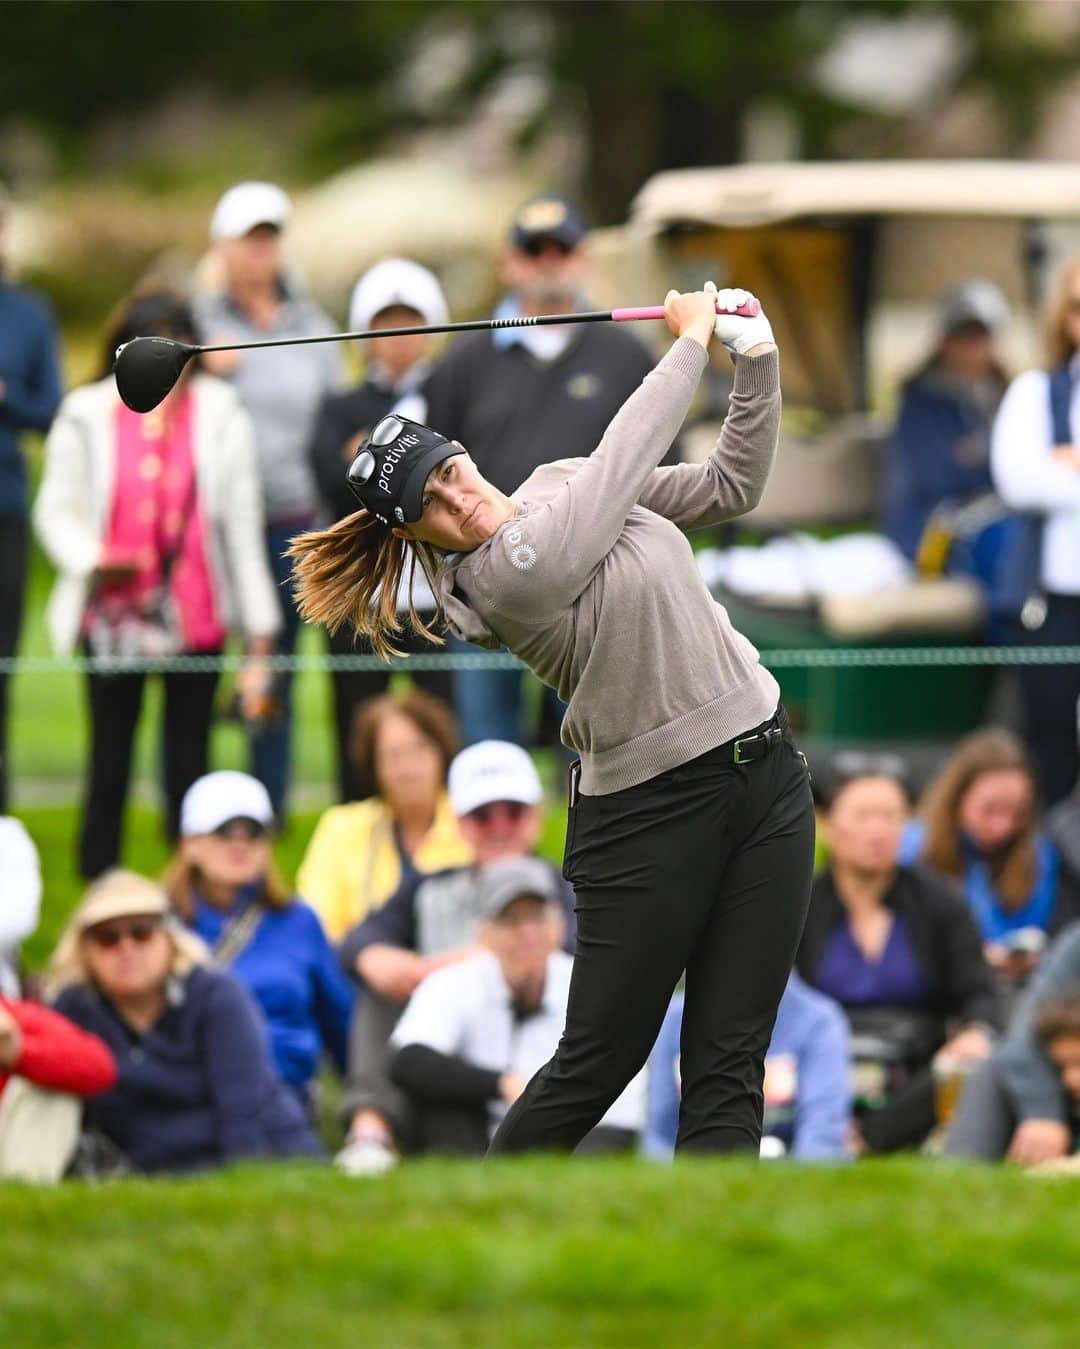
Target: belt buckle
737 756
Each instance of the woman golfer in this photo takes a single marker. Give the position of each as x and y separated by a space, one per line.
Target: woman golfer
690 833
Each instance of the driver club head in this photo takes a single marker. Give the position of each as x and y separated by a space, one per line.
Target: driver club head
147 368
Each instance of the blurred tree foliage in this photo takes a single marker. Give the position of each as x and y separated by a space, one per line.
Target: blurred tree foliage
653 83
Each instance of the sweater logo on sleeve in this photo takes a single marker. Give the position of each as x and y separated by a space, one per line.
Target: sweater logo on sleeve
522 555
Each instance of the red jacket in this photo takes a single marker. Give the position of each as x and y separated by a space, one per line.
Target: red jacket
58 1055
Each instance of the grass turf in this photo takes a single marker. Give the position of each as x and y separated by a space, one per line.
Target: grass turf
547 1252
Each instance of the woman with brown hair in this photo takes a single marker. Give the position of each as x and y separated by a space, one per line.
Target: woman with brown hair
224 886
154 524
977 825
1035 458
360 853
691 826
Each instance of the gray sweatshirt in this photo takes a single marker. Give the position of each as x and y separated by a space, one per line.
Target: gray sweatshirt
593 585
282 388
1029 1077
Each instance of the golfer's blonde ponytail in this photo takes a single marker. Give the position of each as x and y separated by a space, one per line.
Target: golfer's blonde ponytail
350 573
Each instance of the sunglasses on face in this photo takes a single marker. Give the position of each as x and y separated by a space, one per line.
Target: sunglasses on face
110 935
510 810
537 247
242 828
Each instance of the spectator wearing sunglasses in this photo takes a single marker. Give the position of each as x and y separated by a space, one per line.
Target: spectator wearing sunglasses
520 397
432 922
224 886
195 1087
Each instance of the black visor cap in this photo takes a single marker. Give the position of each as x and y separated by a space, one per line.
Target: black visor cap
388 473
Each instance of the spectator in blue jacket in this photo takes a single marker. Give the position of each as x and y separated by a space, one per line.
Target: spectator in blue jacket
938 459
29 395
978 826
195 1086
223 885
806 1090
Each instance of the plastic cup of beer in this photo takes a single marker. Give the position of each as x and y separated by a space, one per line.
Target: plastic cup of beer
950 1076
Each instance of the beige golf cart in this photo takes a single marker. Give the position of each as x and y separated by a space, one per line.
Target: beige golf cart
849 260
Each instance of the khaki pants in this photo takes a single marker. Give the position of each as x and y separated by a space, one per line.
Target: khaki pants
39 1131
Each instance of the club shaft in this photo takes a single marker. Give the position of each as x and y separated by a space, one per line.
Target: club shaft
470 325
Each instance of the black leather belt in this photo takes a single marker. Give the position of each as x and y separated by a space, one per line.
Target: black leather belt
750 748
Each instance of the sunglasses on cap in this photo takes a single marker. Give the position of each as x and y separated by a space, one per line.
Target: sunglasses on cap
513 811
111 934
385 432
241 826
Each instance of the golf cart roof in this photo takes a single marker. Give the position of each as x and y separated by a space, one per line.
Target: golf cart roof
765 194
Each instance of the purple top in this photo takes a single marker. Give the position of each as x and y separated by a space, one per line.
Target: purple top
894 980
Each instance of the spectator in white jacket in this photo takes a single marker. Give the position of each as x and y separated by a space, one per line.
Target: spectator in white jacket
155 524
20 899
1035 458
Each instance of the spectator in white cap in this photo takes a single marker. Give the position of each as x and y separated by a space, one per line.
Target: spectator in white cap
20 899
938 459
282 388
395 293
224 886
475 1032
430 922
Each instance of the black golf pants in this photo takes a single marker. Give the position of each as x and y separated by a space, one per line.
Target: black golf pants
706 869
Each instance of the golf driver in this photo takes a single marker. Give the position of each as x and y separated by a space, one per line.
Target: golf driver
148 367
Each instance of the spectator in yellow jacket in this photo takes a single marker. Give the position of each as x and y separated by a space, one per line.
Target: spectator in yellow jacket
360 853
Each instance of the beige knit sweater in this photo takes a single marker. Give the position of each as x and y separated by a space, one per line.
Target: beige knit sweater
594 586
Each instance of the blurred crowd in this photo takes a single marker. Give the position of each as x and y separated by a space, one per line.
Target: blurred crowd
425 956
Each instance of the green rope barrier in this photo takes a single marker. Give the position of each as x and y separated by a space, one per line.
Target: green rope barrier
870 657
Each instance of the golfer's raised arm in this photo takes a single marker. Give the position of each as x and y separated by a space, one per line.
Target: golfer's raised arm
731 481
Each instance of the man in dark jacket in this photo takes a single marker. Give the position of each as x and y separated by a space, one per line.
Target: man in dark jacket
517 398
29 395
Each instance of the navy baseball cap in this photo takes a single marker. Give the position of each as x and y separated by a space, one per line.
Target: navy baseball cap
388 472
548 217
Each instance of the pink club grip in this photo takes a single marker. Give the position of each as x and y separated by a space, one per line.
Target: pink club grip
751 309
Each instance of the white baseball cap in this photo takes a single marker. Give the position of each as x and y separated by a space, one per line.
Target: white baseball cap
246 205
493 770
397 281
226 795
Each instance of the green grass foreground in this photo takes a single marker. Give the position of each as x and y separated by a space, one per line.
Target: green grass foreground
547 1253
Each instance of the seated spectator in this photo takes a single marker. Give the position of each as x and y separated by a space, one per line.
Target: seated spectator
361 853
475 1032
224 886
807 1097
196 1088
977 826
46 1065
938 459
20 899
395 293
1024 1102
432 921
901 954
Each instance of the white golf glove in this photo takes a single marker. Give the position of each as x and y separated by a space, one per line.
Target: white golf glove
738 334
